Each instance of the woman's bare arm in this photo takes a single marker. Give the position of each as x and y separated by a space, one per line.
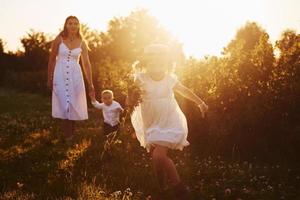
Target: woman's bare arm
87 67
52 61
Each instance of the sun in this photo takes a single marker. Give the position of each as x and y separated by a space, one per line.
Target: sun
205 27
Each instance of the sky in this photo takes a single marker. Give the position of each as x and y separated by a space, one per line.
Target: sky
204 27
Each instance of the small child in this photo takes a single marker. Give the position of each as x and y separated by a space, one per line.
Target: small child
159 123
111 111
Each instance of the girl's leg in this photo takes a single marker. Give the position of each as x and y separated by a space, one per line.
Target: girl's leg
157 157
163 165
172 172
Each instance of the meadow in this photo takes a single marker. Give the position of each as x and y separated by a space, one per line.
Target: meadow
35 163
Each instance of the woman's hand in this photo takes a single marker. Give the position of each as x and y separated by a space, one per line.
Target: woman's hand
203 108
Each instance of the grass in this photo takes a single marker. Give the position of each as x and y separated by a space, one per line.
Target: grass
35 163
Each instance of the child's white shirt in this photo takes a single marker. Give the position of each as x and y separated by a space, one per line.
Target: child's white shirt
111 113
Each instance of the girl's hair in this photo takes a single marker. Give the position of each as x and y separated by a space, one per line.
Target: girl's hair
160 50
64 32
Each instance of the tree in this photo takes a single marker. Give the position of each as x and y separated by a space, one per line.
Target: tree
114 51
238 87
37 47
2 44
127 36
287 76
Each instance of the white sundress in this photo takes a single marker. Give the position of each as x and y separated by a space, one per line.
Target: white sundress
68 94
158 120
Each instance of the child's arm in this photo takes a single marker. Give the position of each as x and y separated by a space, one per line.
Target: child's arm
120 109
96 104
187 93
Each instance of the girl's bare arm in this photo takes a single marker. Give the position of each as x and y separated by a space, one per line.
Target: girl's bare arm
187 93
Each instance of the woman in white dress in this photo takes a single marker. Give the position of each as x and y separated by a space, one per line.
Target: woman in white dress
158 121
65 77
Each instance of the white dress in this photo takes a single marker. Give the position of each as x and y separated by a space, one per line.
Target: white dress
158 120
68 94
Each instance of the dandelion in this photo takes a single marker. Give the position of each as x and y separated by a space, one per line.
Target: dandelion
20 184
245 190
270 187
250 166
127 194
227 191
116 194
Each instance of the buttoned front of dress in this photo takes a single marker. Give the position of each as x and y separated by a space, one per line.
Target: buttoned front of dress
68 96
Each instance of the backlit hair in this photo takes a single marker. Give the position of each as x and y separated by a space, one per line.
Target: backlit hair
107 92
160 50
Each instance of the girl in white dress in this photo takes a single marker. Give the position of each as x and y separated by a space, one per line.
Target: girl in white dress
65 77
158 121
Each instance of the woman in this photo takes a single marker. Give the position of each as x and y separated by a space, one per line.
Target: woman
65 77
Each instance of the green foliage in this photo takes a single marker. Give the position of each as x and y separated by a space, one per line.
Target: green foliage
252 96
36 46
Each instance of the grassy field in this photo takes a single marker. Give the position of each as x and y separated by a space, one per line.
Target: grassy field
35 163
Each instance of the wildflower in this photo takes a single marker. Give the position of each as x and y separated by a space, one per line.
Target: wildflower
20 184
227 191
270 187
116 194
